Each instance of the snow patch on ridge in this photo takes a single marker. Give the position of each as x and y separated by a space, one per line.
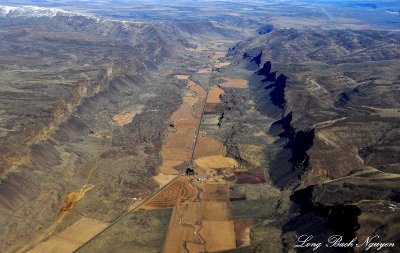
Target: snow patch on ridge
35 11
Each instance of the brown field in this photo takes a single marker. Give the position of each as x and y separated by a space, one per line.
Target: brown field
214 192
212 211
211 109
176 154
201 93
215 162
163 179
205 225
193 247
219 235
183 138
185 111
215 108
242 231
186 123
250 177
214 95
71 238
182 77
171 196
190 100
177 146
186 227
219 54
169 167
177 235
208 146
234 83
198 108
222 64
204 71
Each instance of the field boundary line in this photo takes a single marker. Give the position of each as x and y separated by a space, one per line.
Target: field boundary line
165 186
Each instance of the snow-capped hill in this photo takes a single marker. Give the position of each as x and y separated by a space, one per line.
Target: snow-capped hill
35 11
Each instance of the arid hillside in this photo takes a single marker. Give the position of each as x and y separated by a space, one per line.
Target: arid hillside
84 110
335 97
198 126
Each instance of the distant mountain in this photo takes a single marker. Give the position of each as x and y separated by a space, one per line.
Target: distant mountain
35 11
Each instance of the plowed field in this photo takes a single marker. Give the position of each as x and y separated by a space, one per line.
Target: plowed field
171 196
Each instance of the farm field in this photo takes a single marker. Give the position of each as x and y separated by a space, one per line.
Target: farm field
202 210
250 177
179 191
169 167
178 145
214 95
207 146
224 239
215 162
204 71
234 83
71 238
214 192
163 178
193 227
182 77
178 235
221 64
219 54
195 221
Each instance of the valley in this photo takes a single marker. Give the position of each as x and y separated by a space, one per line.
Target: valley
195 126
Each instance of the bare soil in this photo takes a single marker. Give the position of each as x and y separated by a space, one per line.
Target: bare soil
234 83
215 162
214 96
71 238
208 146
171 196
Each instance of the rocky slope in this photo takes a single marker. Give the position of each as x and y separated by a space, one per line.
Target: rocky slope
79 77
334 95
86 102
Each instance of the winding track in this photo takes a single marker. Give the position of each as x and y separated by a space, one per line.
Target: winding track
190 163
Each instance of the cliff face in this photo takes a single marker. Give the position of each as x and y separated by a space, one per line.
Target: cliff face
325 90
293 159
305 83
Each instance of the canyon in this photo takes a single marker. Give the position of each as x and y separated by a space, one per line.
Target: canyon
193 127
